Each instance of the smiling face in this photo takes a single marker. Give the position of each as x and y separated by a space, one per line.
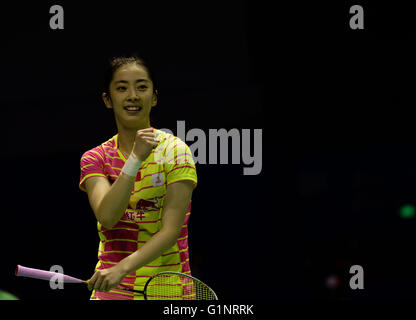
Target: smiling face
131 96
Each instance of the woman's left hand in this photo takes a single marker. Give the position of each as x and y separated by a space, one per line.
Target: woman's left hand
106 279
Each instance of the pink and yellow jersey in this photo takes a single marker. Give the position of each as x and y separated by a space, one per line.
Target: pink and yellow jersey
171 161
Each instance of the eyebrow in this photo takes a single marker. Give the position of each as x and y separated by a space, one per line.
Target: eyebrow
124 81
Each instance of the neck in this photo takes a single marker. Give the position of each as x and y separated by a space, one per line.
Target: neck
126 137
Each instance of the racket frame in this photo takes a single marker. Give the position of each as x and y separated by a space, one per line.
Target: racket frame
169 273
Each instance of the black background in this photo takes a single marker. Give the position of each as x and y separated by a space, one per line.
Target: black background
335 106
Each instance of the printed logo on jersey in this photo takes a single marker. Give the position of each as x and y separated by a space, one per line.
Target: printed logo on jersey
143 206
157 179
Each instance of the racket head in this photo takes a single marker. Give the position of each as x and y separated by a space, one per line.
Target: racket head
171 285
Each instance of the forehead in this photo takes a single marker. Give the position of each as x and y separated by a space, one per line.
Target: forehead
131 71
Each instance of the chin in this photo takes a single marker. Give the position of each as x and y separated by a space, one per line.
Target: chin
135 124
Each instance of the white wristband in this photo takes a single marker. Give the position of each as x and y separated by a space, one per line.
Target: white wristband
132 165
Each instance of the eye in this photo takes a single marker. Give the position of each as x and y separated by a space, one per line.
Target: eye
142 87
122 88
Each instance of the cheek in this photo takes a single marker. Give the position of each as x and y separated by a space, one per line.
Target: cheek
117 99
147 99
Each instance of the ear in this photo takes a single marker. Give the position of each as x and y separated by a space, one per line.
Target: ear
107 100
154 98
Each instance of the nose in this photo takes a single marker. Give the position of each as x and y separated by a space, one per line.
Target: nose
132 95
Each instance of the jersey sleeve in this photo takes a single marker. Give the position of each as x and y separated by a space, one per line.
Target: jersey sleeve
92 165
179 164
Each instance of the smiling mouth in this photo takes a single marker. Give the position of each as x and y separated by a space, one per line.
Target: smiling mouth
131 109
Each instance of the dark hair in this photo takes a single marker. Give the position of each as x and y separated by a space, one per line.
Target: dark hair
116 62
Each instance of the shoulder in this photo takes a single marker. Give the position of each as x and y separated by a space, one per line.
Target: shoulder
172 150
99 152
169 141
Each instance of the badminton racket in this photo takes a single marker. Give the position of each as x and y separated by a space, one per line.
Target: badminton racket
162 286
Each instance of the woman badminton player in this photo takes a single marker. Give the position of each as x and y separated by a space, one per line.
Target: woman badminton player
139 185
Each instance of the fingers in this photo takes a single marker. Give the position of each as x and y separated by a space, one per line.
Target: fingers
103 286
145 141
97 282
146 132
150 141
151 129
147 135
149 138
91 282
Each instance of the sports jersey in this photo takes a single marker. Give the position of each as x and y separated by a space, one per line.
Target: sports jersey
171 161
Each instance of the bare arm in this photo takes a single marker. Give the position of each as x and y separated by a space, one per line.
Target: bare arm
109 202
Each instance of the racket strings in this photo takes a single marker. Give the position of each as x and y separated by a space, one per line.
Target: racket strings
178 287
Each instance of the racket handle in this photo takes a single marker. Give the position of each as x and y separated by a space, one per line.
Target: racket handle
120 287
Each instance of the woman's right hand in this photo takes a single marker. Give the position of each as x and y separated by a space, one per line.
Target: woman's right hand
144 143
